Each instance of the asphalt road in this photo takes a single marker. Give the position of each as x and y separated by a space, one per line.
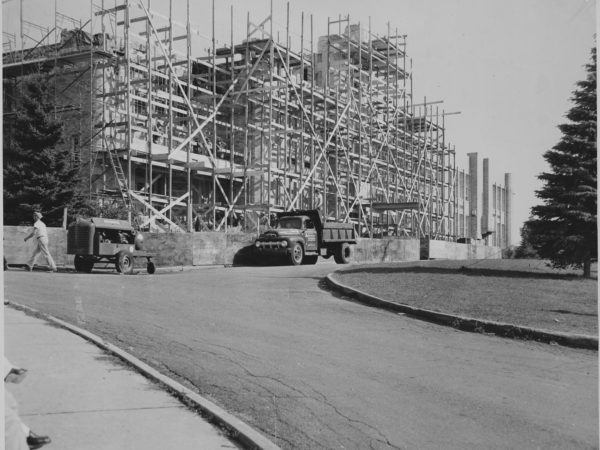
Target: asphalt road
312 370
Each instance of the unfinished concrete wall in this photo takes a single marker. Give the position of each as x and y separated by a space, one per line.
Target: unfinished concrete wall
170 249
220 248
18 252
452 250
207 248
386 250
223 248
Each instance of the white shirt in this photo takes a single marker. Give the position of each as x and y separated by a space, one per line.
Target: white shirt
318 200
39 229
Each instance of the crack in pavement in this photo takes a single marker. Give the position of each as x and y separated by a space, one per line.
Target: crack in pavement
383 439
292 427
95 411
304 395
258 381
250 376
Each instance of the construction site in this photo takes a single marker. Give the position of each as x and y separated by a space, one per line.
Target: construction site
192 137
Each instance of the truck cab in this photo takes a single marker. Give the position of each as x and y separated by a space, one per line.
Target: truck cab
303 226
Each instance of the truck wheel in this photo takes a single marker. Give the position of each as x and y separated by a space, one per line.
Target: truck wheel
342 254
296 254
124 262
310 259
150 267
83 264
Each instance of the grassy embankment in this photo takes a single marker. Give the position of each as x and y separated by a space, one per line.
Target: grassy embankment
520 292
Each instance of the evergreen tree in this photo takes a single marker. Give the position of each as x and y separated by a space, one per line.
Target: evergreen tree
38 171
564 228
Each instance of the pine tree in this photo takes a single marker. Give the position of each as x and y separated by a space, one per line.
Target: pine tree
564 228
38 171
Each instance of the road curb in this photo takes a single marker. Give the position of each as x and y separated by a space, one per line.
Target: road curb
468 323
240 431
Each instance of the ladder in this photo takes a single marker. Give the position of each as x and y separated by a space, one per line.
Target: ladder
115 164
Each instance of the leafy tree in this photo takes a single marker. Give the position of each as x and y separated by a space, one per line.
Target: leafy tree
85 207
525 250
38 172
564 228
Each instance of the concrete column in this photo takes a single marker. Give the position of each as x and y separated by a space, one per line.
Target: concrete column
473 213
485 210
508 208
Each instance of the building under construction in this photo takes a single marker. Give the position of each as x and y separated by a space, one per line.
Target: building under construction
224 139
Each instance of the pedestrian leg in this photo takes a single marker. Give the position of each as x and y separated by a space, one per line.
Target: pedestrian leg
36 251
43 246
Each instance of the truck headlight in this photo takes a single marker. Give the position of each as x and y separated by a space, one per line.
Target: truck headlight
284 244
257 244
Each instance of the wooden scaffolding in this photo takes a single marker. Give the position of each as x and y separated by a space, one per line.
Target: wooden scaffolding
228 138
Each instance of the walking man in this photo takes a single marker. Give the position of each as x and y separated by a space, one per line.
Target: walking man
40 234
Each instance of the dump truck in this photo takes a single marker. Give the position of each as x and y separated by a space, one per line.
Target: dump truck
302 236
111 241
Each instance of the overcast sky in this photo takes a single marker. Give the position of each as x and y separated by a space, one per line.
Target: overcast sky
509 66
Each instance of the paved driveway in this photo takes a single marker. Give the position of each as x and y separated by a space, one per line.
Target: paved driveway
312 370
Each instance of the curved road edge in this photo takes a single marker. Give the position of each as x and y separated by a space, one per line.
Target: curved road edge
241 432
467 323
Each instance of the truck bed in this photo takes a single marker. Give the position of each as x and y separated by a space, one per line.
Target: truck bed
338 232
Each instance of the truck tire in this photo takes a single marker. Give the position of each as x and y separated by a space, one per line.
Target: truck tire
310 259
343 253
296 254
124 262
83 264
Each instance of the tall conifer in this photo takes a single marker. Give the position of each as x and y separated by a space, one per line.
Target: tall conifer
38 170
563 229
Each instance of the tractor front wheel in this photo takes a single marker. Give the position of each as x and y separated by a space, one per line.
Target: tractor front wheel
124 262
83 264
150 267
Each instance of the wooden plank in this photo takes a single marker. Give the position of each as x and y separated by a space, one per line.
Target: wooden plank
395 206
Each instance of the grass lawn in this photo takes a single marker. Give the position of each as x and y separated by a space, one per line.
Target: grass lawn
521 292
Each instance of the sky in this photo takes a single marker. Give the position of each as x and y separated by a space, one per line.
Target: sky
509 67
